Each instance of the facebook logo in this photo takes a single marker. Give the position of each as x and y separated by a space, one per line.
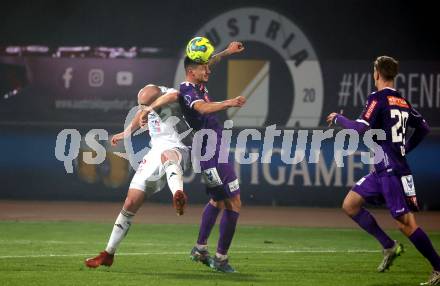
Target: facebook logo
124 78
67 77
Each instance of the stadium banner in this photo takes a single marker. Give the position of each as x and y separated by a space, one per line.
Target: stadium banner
84 90
43 96
30 170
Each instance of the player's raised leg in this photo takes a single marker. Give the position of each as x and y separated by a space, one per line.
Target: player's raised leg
352 206
122 224
408 226
171 161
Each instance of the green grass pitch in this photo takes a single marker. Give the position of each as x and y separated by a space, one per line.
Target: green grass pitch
52 253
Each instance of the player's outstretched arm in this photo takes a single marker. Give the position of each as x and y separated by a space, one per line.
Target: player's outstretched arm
336 118
211 107
169 97
132 127
233 48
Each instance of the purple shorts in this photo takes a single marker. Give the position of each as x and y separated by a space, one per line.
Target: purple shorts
220 179
387 188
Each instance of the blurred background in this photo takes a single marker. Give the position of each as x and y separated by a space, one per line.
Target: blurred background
79 65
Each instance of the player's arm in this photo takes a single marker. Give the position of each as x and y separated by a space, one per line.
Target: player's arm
363 123
233 48
132 127
344 122
169 97
144 98
211 107
421 130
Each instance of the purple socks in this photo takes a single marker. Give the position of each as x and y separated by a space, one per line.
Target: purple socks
227 230
423 244
227 227
419 238
209 217
366 221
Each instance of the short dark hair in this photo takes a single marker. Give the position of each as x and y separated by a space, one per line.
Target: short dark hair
387 67
187 63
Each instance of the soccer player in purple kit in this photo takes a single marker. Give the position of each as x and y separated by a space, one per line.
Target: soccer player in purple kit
391 182
222 183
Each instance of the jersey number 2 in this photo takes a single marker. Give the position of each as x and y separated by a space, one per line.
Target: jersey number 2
398 130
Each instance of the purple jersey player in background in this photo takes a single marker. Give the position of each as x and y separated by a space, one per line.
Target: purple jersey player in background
222 183
391 182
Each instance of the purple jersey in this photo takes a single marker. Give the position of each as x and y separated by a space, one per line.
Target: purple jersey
388 110
220 178
189 95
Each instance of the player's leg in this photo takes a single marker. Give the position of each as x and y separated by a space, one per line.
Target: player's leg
133 201
200 252
228 225
401 211
223 176
209 217
122 224
172 163
408 226
369 189
214 188
353 207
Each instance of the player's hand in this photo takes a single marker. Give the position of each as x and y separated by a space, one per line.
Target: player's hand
330 118
116 138
238 101
235 47
241 100
143 120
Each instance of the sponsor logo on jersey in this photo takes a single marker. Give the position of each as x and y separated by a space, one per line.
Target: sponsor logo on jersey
234 185
397 101
370 109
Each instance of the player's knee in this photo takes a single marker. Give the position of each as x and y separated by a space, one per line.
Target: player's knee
406 226
219 204
132 203
346 207
405 229
163 157
169 155
237 204
349 208
233 204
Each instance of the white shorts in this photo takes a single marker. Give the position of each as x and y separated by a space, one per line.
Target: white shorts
150 175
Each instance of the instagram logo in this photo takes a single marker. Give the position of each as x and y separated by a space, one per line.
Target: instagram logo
96 77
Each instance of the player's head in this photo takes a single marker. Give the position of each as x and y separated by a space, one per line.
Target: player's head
196 72
385 69
148 94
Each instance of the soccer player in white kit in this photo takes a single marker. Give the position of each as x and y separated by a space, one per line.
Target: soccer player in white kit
166 161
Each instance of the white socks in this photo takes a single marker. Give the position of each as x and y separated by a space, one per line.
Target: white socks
174 176
120 229
221 256
202 247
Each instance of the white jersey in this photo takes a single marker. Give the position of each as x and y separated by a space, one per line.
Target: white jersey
165 125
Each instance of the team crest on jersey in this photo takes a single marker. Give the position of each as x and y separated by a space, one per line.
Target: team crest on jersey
282 81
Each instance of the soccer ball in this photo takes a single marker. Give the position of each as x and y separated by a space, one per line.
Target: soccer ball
199 49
